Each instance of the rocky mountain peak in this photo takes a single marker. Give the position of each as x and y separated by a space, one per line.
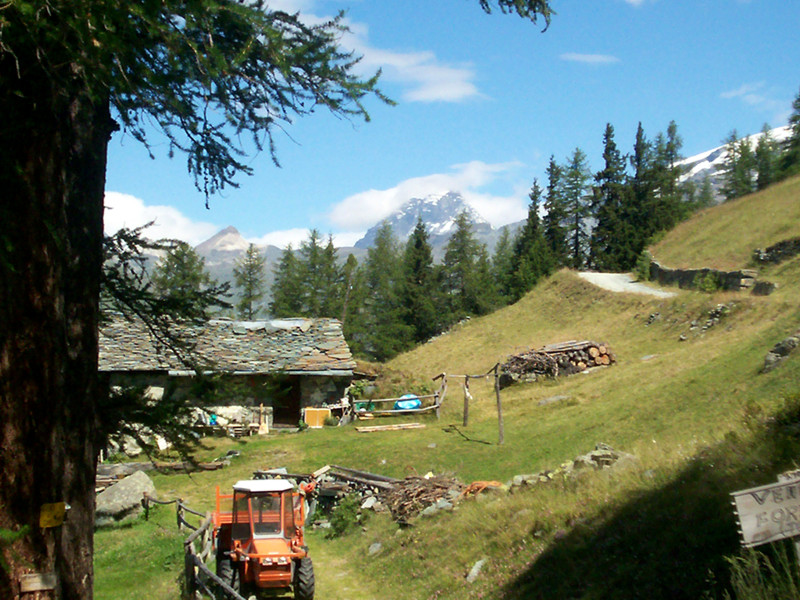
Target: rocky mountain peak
437 211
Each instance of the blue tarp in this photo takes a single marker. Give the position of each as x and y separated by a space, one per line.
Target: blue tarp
407 402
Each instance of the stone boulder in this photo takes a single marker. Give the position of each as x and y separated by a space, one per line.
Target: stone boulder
123 500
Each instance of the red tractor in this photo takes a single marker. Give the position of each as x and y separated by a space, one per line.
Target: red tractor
259 542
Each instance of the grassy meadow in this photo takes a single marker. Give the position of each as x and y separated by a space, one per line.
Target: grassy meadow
698 414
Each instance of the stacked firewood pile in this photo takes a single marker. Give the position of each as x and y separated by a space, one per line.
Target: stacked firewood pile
553 360
405 498
412 495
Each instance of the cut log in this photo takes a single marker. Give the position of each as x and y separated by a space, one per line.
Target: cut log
594 352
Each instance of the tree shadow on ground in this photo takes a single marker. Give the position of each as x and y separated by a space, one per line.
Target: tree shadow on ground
668 543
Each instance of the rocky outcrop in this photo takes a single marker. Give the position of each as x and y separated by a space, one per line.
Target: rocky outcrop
123 500
602 457
780 351
777 253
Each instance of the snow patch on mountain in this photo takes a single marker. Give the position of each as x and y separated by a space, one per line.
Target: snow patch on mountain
711 163
227 240
437 211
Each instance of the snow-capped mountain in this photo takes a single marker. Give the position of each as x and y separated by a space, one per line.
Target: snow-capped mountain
712 162
437 211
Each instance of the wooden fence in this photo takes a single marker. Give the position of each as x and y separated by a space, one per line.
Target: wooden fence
198 550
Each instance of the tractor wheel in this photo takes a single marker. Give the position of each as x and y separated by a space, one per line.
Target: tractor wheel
304 579
227 573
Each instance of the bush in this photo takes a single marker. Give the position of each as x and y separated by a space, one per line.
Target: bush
708 283
642 268
345 517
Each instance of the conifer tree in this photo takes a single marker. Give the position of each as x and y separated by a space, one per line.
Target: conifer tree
386 332
640 190
555 218
531 259
248 276
790 158
468 293
502 266
353 295
418 287
287 293
612 245
705 197
577 207
180 277
766 159
738 167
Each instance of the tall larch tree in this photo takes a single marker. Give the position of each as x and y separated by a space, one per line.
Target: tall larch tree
213 77
612 246
180 277
577 207
502 267
249 279
418 287
387 332
737 177
790 156
464 287
640 191
287 291
555 217
531 259
767 154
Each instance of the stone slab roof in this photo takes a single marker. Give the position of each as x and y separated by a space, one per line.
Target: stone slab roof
257 347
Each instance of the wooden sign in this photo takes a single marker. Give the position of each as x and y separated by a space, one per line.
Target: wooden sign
768 513
37 582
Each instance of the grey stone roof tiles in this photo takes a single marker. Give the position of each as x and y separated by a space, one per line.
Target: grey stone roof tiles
297 345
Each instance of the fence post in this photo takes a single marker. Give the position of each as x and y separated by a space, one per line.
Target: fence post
188 571
466 400
501 433
179 513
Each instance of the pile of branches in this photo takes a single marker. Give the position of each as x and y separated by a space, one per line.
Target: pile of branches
414 494
564 358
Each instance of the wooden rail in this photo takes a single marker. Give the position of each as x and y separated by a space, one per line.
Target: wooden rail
198 550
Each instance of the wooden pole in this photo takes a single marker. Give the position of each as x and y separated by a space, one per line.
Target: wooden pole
466 401
501 433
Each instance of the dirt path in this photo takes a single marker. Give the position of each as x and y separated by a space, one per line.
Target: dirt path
336 579
622 282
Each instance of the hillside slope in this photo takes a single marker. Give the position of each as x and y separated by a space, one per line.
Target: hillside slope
689 402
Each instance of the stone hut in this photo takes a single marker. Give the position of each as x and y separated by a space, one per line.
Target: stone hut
285 364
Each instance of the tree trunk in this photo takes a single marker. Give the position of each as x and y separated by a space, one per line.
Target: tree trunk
52 169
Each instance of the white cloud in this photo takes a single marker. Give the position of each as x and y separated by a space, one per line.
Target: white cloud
297 236
636 3
281 239
590 59
366 208
124 210
761 98
423 76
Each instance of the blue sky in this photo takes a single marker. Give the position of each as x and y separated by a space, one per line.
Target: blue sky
483 101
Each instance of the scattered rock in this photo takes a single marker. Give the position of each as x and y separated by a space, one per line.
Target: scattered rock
374 548
475 571
780 351
369 503
123 500
552 400
602 457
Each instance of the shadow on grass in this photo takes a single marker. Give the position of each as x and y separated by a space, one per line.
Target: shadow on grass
670 543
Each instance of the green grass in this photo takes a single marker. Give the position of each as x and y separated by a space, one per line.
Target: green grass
699 416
